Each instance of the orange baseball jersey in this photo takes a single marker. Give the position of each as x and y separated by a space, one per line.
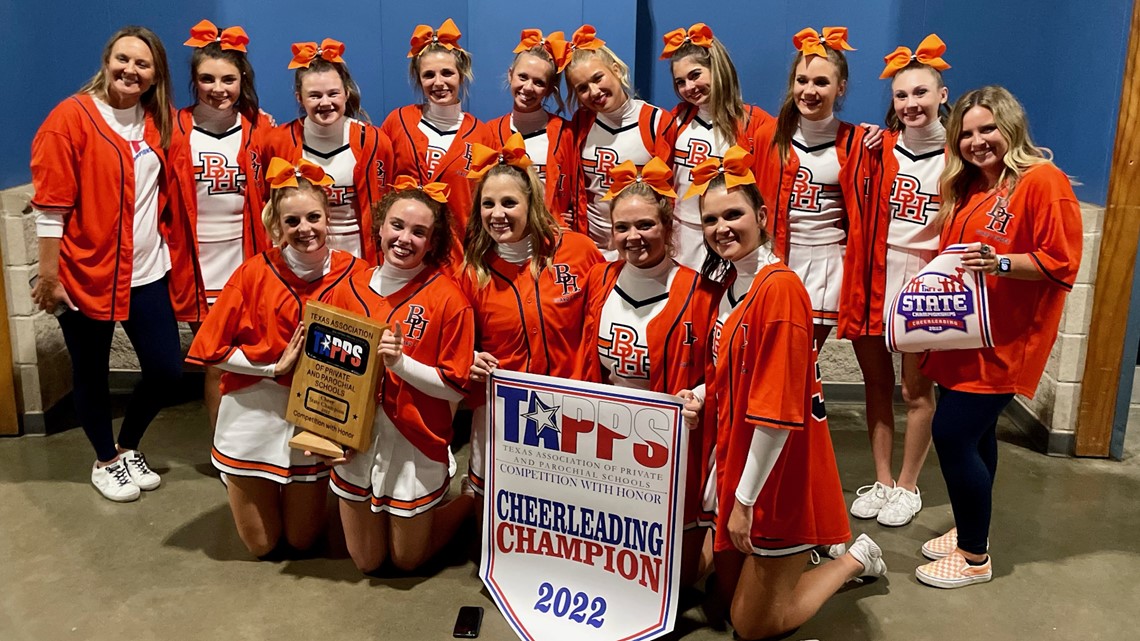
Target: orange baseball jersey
781 183
767 376
439 331
249 171
410 152
528 325
1041 218
887 198
258 311
83 169
656 135
373 153
676 346
558 169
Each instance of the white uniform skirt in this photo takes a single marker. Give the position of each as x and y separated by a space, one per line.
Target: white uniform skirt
902 265
219 261
252 437
820 267
477 464
394 475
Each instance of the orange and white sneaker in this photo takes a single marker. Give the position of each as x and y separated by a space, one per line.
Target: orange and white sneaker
941 547
954 571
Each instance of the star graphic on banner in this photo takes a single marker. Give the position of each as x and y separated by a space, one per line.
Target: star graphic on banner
326 345
543 416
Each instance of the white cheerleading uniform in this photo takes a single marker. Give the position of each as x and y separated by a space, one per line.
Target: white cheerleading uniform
912 241
697 142
532 127
623 333
613 139
328 147
817 216
220 185
440 124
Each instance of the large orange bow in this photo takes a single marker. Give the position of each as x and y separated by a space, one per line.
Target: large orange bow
929 53
736 167
699 34
304 53
513 153
447 35
655 173
809 42
282 173
436 191
585 38
206 32
555 44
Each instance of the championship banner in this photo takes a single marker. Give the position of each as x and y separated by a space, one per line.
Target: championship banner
945 306
583 508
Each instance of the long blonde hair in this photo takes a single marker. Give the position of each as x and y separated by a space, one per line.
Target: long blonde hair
958 176
156 101
540 225
725 101
789 117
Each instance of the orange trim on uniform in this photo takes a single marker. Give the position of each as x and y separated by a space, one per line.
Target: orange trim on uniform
409 506
561 163
256 466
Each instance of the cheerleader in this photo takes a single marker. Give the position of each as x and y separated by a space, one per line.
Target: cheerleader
1002 194
220 138
110 250
432 141
711 117
778 487
524 277
334 133
254 334
391 496
802 170
611 126
647 320
533 79
895 237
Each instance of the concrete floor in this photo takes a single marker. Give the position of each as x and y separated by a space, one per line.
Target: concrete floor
170 566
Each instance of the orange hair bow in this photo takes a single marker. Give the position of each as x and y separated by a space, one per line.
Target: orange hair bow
809 42
205 32
585 38
555 44
304 53
513 153
929 53
447 35
436 191
699 34
655 173
736 167
282 173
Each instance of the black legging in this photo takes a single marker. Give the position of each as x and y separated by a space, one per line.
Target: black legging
965 437
154 334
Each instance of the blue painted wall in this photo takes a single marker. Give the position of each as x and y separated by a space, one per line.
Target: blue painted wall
1038 48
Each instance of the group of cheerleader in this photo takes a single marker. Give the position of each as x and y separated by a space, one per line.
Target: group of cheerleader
705 252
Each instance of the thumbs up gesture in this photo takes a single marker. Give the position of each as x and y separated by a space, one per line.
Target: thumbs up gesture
392 345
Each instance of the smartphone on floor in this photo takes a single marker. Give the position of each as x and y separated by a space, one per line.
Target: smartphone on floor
468 622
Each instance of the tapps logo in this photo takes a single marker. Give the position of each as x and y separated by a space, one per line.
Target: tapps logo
577 425
336 348
935 302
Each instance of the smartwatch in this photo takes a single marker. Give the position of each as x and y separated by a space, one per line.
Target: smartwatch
1004 265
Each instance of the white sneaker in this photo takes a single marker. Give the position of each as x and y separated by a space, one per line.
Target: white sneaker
114 482
870 555
144 477
902 505
869 500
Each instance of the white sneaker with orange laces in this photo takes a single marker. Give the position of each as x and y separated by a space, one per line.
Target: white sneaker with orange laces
953 571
